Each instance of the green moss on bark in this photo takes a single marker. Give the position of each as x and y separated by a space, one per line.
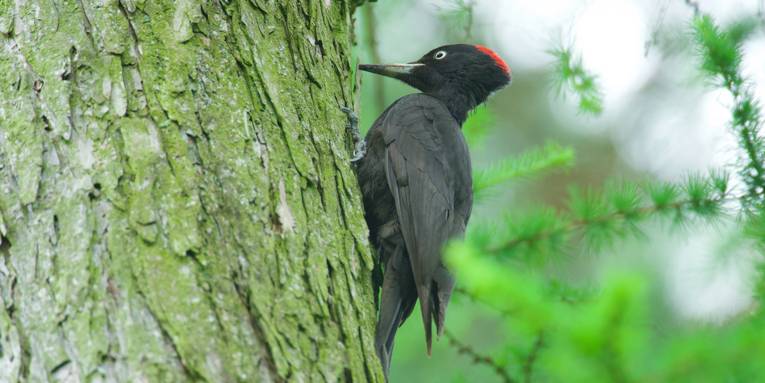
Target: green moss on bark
177 202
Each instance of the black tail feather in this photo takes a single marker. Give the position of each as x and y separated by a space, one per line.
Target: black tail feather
396 303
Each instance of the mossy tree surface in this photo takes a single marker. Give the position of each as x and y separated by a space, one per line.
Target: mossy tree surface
176 198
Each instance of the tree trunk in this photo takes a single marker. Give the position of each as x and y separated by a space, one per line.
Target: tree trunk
176 198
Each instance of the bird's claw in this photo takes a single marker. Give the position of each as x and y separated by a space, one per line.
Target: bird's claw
359 151
359 145
353 119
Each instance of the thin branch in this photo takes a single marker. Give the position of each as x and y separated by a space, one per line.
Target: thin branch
370 32
469 24
504 312
478 358
531 358
694 5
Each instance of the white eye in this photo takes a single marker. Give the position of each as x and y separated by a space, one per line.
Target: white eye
439 55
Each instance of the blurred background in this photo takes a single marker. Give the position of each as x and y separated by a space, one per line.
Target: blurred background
660 119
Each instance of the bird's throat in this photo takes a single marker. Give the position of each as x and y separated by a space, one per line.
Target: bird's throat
460 101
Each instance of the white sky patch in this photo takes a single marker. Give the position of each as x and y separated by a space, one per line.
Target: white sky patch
726 11
753 66
714 120
679 139
525 30
610 36
710 276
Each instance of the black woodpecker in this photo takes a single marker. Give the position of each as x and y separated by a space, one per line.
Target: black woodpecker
416 180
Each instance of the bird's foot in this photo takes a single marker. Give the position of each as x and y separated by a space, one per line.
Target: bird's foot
359 145
359 151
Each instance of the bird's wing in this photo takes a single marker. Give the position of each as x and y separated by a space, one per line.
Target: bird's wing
427 166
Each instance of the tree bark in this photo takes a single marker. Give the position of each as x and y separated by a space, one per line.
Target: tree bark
176 197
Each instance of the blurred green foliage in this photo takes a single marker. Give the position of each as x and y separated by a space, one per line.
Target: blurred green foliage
528 164
477 127
530 304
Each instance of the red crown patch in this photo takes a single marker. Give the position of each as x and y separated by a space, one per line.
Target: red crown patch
494 56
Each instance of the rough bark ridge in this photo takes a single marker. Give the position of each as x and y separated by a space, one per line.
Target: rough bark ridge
176 202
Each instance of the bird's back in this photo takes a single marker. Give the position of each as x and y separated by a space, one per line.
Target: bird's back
378 199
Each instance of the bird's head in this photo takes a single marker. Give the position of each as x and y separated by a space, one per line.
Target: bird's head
468 72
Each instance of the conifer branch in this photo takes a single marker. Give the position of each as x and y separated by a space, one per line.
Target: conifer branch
602 217
478 358
721 55
530 163
570 75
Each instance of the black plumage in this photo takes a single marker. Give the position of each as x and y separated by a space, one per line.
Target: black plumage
417 184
